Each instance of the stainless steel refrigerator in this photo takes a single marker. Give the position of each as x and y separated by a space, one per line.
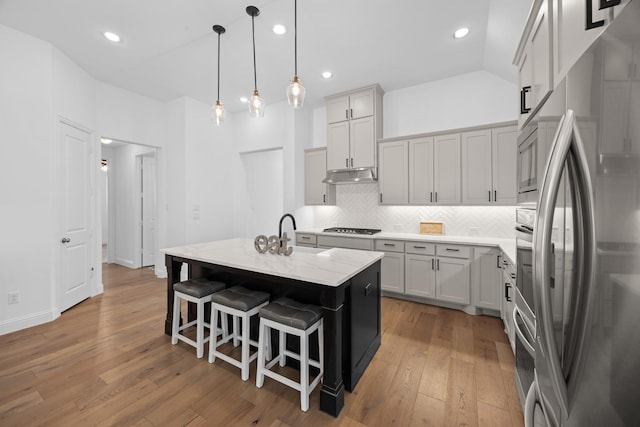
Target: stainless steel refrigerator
586 254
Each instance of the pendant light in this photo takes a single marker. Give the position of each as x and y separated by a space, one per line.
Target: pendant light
218 113
256 103
295 91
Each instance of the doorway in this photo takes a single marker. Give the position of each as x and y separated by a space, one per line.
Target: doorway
129 207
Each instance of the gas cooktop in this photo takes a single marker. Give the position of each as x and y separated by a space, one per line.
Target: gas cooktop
350 230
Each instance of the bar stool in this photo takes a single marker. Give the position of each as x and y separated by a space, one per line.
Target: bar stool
241 303
291 317
198 291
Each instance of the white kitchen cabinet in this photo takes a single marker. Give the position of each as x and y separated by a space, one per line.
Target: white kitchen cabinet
315 170
534 60
453 280
489 166
574 32
306 239
420 275
393 173
392 272
486 278
354 122
508 301
434 170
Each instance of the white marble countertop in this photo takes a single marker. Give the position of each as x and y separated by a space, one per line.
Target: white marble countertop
330 267
508 246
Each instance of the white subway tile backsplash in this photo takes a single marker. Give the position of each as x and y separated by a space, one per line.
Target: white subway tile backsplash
357 206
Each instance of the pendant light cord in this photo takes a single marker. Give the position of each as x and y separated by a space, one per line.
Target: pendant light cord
295 36
255 75
218 66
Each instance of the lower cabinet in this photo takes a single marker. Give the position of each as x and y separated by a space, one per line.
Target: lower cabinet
392 272
453 278
420 275
486 278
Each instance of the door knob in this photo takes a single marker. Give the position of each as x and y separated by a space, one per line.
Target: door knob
66 240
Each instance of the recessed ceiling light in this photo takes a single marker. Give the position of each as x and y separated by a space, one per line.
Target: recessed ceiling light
244 99
327 74
460 33
111 36
279 29
106 140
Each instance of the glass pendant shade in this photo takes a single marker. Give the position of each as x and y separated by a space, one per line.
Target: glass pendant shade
256 105
296 92
218 113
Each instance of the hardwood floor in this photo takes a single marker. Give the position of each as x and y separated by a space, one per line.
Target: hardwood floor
107 362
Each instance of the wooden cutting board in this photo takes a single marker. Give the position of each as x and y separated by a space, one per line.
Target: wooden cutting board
436 228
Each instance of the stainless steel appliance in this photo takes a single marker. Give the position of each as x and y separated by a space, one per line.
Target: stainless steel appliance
351 230
523 316
527 166
587 306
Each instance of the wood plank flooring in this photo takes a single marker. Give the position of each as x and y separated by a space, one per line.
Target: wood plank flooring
107 362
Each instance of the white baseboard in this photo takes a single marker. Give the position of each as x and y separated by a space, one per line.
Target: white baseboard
161 271
27 321
125 262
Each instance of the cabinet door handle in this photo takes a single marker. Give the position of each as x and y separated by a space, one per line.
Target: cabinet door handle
452 250
495 195
437 264
324 198
433 261
346 114
419 247
436 197
489 195
431 197
380 197
352 162
506 292
346 162
523 100
367 289
351 112
498 265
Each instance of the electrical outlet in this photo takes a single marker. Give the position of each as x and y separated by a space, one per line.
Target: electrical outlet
13 297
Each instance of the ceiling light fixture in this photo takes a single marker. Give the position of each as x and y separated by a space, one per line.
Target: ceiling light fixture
327 74
256 104
218 108
111 36
106 140
279 29
295 91
460 33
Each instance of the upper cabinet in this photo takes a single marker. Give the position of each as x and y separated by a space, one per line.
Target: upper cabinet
434 170
489 166
317 192
534 60
393 166
576 24
354 122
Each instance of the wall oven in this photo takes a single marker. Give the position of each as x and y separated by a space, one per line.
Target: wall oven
527 164
524 311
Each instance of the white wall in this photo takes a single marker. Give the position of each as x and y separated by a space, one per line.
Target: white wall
26 199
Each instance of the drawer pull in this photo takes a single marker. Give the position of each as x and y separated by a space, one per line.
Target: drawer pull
452 250
419 247
306 237
390 244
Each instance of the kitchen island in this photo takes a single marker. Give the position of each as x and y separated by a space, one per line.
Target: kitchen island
344 282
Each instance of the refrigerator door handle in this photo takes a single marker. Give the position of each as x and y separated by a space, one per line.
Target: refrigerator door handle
524 340
530 406
568 147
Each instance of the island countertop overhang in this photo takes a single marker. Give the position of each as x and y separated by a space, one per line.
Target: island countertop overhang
331 267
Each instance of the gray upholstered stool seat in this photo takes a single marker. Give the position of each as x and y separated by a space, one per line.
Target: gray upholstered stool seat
292 313
240 298
289 316
198 291
241 303
199 288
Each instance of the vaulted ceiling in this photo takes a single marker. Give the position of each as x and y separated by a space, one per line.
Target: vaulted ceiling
168 48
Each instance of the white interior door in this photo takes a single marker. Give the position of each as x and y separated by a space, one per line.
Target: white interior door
74 148
148 209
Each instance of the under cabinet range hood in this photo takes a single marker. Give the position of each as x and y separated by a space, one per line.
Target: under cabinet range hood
350 176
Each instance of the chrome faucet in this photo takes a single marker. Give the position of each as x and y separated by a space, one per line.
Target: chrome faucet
293 220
